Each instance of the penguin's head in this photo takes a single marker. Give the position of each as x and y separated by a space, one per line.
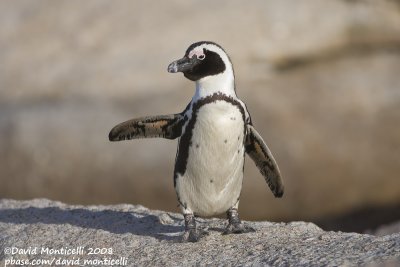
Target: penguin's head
202 59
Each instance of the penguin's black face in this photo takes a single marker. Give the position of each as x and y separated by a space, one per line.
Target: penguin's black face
199 62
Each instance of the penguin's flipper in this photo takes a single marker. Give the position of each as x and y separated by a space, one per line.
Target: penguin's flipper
265 162
164 126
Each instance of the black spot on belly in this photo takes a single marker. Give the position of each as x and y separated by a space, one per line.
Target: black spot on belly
197 145
211 181
225 141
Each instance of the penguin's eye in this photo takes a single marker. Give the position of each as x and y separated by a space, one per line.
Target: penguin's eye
201 57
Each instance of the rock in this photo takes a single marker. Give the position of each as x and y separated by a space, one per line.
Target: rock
134 235
386 229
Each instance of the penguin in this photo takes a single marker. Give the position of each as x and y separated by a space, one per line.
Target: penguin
214 133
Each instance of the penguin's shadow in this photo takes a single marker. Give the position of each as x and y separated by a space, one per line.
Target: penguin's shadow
117 222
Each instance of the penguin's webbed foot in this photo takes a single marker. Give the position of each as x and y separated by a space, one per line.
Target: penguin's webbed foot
235 225
192 233
238 228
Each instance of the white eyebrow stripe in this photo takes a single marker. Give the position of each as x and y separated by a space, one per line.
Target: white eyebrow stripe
197 51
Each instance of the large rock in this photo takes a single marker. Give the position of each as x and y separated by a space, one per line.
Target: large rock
138 236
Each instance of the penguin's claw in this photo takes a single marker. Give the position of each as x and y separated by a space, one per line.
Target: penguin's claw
193 235
238 228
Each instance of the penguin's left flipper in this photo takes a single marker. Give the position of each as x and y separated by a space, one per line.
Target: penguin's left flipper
164 126
265 162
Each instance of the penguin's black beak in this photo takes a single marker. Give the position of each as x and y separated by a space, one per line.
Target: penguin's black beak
182 65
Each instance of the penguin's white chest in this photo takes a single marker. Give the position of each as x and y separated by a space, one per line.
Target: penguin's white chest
213 178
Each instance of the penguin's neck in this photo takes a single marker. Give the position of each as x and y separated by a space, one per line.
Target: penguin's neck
223 83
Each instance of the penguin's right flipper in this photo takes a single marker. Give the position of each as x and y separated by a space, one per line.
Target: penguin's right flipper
265 162
164 126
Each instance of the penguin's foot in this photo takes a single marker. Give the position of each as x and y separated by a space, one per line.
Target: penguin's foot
192 233
235 226
238 228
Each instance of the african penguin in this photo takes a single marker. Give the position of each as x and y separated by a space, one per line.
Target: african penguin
214 132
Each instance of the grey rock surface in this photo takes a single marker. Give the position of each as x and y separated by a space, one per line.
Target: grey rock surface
135 235
386 229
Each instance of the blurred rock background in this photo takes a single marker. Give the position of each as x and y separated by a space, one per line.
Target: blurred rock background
320 78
